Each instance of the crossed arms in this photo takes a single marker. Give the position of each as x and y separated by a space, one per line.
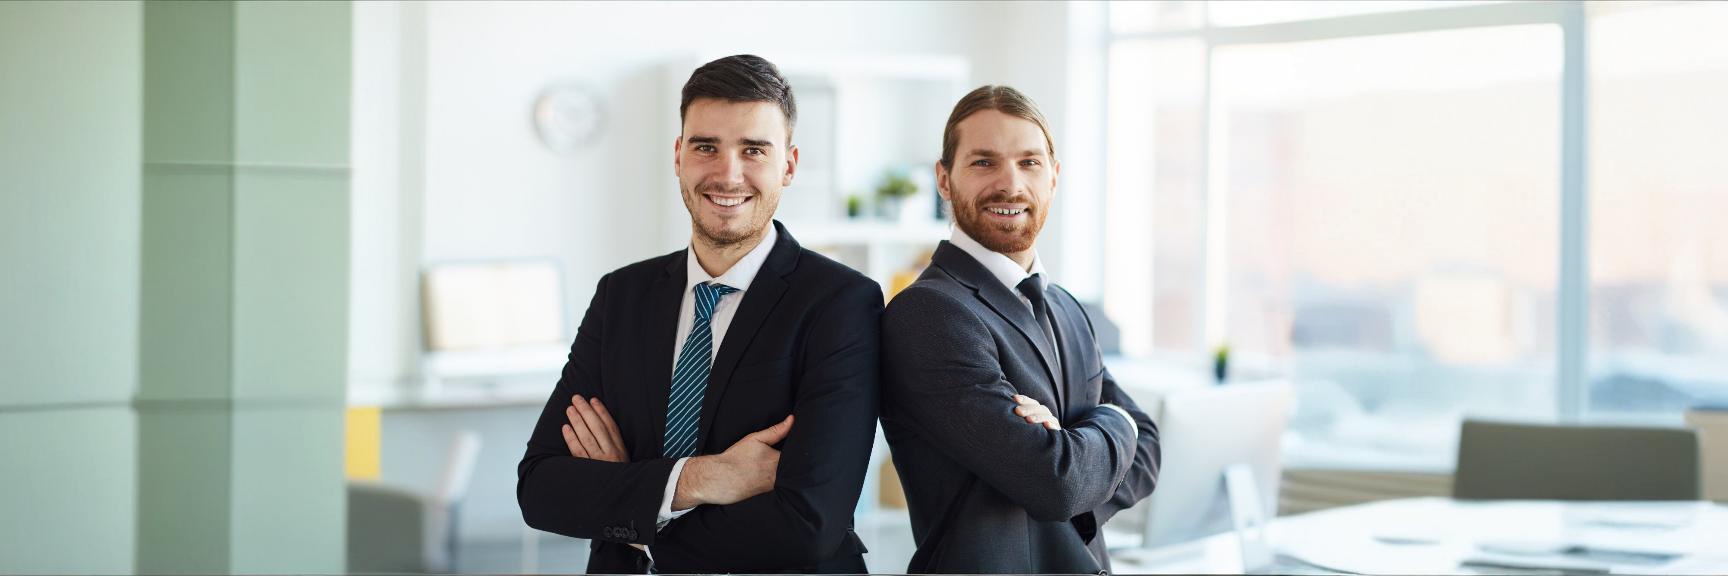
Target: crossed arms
942 367
578 479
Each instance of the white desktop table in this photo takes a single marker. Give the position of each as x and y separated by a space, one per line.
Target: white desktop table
1446 536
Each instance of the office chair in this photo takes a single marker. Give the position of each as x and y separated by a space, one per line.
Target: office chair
1499 461
396 530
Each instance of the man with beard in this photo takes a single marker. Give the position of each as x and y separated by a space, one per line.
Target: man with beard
1013 443
659 441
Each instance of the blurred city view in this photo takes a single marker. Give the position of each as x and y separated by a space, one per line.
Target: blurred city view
1391 212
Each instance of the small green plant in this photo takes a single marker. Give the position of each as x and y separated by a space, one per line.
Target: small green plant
896 185
1221 362
854 206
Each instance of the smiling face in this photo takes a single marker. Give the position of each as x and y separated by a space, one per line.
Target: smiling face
732 159
1002 182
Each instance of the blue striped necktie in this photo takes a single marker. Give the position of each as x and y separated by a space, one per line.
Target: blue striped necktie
690 375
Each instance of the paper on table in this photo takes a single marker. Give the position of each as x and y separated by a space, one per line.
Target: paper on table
1500 562
1367 555
1606 553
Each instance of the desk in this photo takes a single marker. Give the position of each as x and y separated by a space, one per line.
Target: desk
1446 536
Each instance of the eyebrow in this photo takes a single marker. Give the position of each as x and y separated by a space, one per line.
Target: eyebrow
744 141
985 153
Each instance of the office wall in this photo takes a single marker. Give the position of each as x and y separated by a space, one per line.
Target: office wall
448 167
69 209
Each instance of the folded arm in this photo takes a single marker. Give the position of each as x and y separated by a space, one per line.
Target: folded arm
1142 477
583 497
944 376
804 519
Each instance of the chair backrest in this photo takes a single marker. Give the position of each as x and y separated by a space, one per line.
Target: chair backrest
1500 461
397 530
386 530
459 467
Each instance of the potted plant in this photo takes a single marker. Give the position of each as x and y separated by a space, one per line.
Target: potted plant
1221 363
891 194
854 206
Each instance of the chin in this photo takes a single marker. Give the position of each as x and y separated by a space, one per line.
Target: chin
724 234
1009 241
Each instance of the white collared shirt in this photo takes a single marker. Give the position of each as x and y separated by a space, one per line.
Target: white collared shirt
1010 274
739 276
1005 269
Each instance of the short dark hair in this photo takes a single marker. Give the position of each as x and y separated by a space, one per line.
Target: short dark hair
1000 98
741 78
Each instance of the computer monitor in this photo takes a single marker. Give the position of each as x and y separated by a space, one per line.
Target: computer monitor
1203 431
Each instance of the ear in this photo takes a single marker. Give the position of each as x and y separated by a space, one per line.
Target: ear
1055 170
791 166
677 154
942 184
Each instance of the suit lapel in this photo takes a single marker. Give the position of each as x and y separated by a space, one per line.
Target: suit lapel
1007 305
759 301
665 298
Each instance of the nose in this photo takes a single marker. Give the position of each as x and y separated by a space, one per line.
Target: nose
1015 183
732 172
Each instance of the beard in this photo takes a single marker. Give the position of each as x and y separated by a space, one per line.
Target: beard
1003 237
718 234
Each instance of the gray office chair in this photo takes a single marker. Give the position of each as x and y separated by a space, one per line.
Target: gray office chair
394 530
1498 461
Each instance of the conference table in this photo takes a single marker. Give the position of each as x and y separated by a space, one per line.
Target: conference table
1448 536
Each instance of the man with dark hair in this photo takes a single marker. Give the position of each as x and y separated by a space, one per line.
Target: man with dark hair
719 404
1013 443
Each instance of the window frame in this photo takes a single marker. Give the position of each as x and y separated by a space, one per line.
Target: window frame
1573 283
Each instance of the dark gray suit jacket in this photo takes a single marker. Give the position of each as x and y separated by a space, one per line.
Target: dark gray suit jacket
988 492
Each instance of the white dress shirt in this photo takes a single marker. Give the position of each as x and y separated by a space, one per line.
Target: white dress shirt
739 276
1010 274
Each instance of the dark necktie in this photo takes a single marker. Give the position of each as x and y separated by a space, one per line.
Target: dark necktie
1033 288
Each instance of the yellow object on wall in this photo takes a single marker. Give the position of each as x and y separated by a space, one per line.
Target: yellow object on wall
364 438
900 280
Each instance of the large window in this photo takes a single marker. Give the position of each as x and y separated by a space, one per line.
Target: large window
1156 188
1658 203
1371 199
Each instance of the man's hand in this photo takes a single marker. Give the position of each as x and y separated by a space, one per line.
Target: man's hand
746 469
591 432
1035 413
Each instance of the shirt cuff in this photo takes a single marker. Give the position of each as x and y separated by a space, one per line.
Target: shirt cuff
1119 410
667 514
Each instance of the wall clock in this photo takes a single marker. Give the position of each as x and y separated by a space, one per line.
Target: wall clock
568 116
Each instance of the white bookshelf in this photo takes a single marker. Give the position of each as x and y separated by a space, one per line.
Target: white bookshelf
877 248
